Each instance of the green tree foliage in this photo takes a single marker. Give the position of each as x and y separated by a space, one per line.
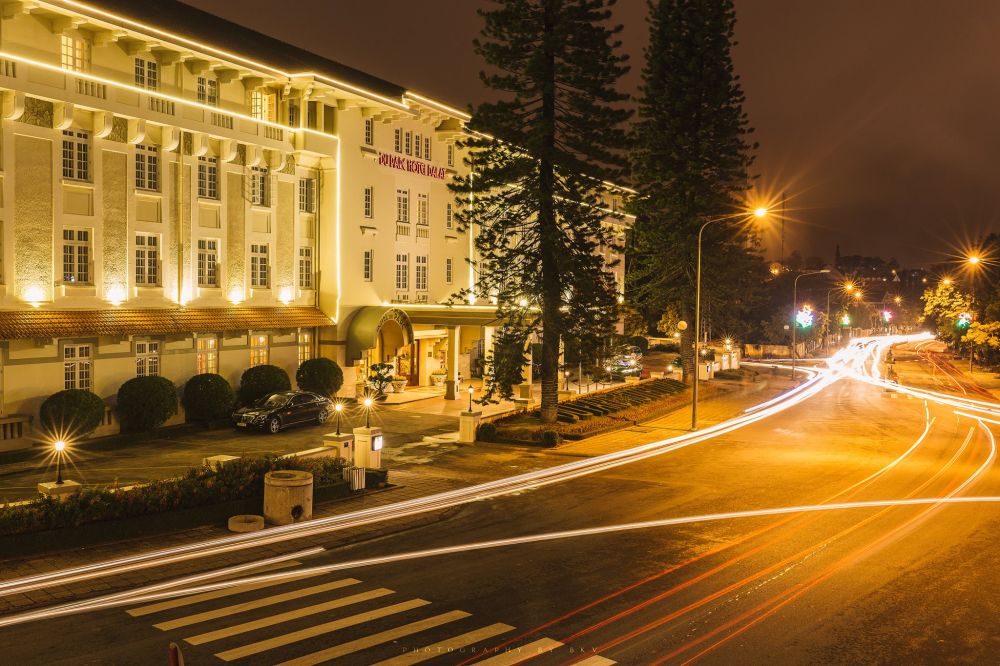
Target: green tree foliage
145 403
207 397
320 375
262 380
543 149
690 163
71 414
942 306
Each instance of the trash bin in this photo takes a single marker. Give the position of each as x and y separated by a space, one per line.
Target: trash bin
288 497
357 478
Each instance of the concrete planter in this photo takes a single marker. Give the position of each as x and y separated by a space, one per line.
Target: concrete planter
438 380
398 385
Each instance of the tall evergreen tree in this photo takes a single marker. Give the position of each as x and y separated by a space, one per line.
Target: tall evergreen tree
536 167
690 163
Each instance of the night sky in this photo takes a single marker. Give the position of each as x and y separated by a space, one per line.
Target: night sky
877 117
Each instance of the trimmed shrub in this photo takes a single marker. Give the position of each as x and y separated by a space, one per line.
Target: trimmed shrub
145 403
72 414
639 341
487 432
320 375
262 380
207 397
550 438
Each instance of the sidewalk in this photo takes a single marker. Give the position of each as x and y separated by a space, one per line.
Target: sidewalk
462 466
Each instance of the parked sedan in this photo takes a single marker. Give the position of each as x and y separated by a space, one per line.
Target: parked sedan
280 410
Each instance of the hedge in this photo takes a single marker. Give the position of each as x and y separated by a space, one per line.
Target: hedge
262 380
320 375
73 413
145 403
238 479
208 397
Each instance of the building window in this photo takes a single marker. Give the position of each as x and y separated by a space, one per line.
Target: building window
207 354
260 191
449 270
420 272
258 350
449 215
76 155
368 267
369 131
305 347
147 74
397 141
403 206
294 114
451 155
147 358
76 256
402 272
147 259
258 265
262 105
208 91
369 202
418 145
427 148
208 177
307 195
77 368
75 54
408 143
305 267
423 206
208 262
147 167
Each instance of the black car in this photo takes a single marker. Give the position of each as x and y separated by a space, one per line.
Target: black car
280 410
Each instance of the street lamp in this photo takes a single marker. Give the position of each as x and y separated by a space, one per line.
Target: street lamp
848 287
759 212
59 446
471 391
973 260
368 412
339 408
566 377
795 308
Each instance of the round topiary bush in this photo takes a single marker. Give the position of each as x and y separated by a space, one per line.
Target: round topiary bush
550 438
320 375
262 380
71 414
487 432
639 341
207 397
145 403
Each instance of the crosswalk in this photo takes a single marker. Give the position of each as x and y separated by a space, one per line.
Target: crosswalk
316 617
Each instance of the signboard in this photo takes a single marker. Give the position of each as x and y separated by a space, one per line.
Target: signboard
404 163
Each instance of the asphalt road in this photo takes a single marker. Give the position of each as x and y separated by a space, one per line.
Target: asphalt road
874 585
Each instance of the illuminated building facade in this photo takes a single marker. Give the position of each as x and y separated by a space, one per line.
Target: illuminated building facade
179 195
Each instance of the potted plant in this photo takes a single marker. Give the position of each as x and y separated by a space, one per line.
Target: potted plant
379 377
398 383
438 376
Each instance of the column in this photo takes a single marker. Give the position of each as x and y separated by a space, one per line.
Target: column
451 382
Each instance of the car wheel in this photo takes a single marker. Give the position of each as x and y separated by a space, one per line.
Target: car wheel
273 424
322 417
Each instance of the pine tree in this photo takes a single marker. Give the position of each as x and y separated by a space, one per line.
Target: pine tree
535 170
690 163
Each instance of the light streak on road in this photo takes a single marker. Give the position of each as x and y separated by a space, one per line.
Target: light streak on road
484 491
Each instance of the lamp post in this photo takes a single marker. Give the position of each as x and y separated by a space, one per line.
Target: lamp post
471 391
795 308
848 288
339 408
757 212
368 412
59 446
973 263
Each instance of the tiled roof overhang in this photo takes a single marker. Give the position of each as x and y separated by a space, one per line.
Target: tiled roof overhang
26 324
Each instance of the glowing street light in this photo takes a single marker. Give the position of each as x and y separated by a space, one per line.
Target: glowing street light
59 446
368 412
974 259
760 212
339 408
946 281
471 391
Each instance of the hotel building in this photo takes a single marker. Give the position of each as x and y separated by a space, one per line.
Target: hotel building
179 194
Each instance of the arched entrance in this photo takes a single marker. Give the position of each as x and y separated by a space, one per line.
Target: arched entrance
383 335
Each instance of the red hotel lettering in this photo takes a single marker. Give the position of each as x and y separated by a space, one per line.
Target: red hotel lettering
412 166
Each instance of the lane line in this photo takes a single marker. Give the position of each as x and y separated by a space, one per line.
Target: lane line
375 639
596 660
254 604
318 630
446 646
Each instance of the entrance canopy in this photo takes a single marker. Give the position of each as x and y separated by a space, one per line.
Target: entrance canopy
363 330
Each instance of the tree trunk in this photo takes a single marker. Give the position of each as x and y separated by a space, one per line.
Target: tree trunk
548 229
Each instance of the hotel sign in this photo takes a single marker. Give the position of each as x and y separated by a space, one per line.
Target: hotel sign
412 166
